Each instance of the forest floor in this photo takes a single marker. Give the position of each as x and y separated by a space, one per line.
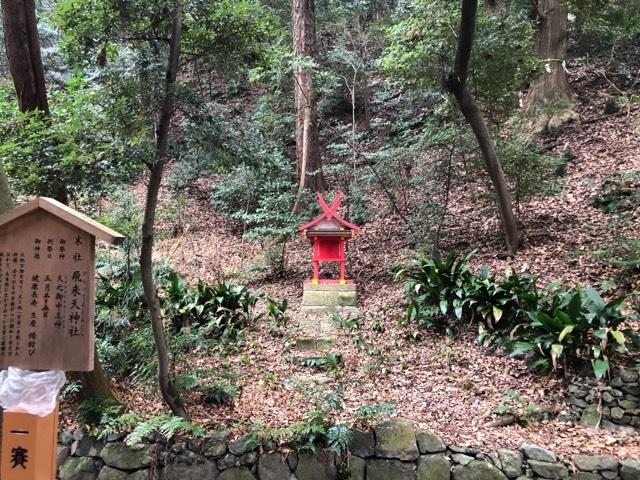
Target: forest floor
447 385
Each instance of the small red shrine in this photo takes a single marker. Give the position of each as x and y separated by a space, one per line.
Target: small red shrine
329 234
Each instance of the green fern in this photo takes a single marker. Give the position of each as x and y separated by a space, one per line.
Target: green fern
166 425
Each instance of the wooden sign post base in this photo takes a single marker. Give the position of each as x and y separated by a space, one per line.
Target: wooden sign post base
29 446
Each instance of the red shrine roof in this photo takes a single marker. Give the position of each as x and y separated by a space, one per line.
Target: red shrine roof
329 214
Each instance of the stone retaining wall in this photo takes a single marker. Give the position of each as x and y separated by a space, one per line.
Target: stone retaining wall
391 451
615 407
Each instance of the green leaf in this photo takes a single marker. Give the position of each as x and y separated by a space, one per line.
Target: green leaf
600 368
521 347
444 306
497 313
601 333
565 331
618 336
556 350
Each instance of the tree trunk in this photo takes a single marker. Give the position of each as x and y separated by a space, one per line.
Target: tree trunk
95 385
6 202
167 388
456 83
550 98
303 26
23 52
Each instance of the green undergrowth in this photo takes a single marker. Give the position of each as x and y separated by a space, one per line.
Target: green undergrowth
556 327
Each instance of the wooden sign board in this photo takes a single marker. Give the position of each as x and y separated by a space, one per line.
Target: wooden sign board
47 287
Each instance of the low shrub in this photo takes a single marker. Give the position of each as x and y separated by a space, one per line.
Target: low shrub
222 311
573 326
436 287
557 326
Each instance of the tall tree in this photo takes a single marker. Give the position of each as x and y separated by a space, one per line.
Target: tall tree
22 45
550 98
456 84
308 159
167 388
6 203
23 52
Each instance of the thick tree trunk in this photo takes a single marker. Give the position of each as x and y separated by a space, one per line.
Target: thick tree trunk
456 83
308 160
550 98
23 52
6 202
167 389
95 385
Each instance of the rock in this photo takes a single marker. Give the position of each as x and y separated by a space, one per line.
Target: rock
248 459
465 450
577 391
379 469
627 404
65 438
616 382
609 475
228 461
578 402
495 459
617 413
396 439
625 420
356 467
434 468
272 467
608 398
78 468
595 463
214 445
241 445
630 469
477 470
362 444
199 471
628 376
62 453
612 427
429 442
511 462
587 476
237 473
108 473
141 475
631 389
123 457
188 457
292 460
590 417
87 447
616 393
461 458
318 466
555 471
535 452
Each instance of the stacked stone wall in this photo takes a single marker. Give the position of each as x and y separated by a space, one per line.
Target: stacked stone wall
614 407
393 450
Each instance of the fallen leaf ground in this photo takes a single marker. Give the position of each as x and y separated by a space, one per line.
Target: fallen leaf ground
446 385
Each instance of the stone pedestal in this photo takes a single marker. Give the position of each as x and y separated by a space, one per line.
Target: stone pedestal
319 302
325 299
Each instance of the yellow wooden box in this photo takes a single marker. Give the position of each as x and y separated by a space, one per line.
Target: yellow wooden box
29 446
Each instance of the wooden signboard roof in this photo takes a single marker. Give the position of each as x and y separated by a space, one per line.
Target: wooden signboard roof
47 286
67 214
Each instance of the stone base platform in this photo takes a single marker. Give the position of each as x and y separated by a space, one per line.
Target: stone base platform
328 298
319 302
